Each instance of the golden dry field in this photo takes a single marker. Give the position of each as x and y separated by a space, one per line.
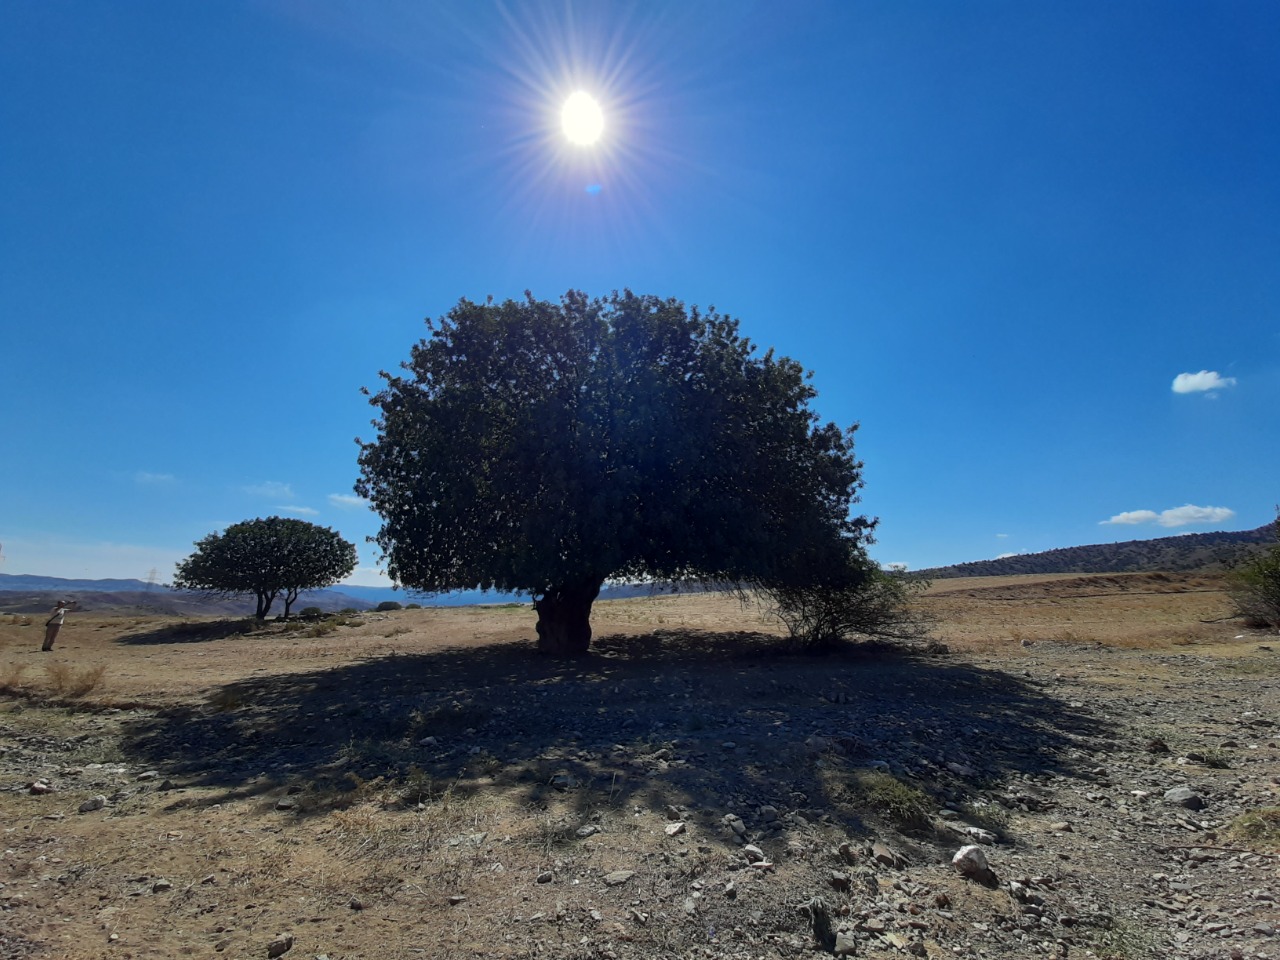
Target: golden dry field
420 783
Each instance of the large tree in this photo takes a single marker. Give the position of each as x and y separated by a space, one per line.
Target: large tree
546 447
267 558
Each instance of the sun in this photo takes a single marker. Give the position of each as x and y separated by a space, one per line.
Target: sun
582 119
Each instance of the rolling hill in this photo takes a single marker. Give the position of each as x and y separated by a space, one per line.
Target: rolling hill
1191 551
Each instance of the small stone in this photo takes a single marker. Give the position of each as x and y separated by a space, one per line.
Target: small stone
673 813
728 745
546 876
355 903
590 830
285 803
149 775
886 856
160 886
674 829
93 803
40 786
839 881
846 944
848 854
281 945
690 906
456 899
618 877
1060 826
754 853
768 813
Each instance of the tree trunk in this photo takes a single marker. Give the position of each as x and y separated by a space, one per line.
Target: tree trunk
264 604
564 618
290 596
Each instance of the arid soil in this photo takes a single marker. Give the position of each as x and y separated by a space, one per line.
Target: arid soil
421 784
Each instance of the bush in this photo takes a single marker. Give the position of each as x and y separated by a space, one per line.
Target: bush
866 602
413 606
1255 588
386 605
311 613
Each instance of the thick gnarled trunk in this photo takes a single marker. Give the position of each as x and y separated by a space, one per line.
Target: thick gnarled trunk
564 618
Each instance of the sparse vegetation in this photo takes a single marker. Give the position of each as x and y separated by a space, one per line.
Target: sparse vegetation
1258 828
862 601
388 605
1255 588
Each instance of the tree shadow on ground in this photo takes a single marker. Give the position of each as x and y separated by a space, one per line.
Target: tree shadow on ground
699 719
197 631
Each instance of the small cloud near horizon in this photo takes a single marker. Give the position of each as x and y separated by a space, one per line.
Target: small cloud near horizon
304 511
1202 382
347 501
148 478
1006 556
270 488
1174 517
1001 536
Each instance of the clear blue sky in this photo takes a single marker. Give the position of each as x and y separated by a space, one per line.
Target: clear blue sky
995 231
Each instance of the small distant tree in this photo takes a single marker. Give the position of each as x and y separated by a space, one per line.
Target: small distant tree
269 558
1255 586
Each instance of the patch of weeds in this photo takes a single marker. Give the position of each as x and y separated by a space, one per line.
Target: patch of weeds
447 719
224 701
324 628
989 816
11 677
65 681
905 806
1123 940
85 681
397 632
1258 828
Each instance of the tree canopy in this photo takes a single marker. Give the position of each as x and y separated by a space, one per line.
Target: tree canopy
267 558
547 447
1255 586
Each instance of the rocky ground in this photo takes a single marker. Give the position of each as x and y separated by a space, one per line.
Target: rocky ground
421 784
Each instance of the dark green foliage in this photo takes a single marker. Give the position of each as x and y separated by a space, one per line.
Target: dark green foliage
311 613
387 605
1255 587
859 600
544 447
267 558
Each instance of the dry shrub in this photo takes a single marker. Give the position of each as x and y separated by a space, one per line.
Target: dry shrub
58 676
86 680
64 681
11 677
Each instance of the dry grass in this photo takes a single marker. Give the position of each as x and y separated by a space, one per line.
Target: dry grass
1258 828
64 681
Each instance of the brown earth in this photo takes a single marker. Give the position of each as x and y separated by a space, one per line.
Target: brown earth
422 784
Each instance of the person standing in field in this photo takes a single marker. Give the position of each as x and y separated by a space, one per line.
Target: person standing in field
54 623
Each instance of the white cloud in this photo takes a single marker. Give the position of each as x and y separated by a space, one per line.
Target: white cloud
366 576
1173 517
1133 516
272 489
304 511
1201 382
145 477
1181 516
347 501
1005 556
1002 536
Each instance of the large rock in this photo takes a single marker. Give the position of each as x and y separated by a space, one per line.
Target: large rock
971 862
1184 797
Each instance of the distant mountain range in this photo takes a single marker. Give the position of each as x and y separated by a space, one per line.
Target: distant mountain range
27 593
1190 551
